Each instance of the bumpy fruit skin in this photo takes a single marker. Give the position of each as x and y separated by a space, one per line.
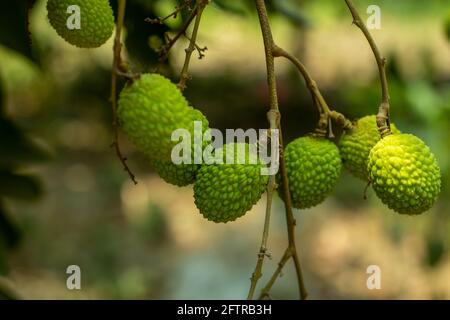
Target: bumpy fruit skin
225 192
355 145
151 109
96 21
177 174
313 167
404 173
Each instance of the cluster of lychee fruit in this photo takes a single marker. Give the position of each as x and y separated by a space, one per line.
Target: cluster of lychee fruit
150 110
400 167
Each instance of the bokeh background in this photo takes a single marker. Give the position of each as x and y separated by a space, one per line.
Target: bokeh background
65 199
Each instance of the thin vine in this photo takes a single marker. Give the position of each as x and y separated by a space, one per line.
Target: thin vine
327 116
291 250
184 76
383 120
118 68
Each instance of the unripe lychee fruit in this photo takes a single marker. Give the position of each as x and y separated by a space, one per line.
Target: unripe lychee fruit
151 109
225 192
313 167
404 173
355 145
95 16
177 174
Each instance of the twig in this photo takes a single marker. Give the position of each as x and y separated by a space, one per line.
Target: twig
174 14
166 48
277 273
200 50
117 67
269 46
274 121
383 121
318 98
184 76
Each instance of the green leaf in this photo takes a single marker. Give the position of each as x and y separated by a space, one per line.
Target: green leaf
16 148
10 234
19 186
14 32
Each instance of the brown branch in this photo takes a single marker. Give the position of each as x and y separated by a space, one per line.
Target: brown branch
269 46
174 14
277 273
167 47
318 98
118 67
273 117
184 76
383 121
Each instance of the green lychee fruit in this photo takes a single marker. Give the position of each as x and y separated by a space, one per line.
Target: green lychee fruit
225 192
404 173
95 16
151 109
177 174
313 167
355 145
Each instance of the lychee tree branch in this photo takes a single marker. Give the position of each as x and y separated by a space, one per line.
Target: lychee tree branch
118 69
273 116
318 98
184 76
174 14
269 46
383 120
166 48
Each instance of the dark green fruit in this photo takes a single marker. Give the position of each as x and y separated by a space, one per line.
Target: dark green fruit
404 173
355 145
313 167
225 192
96 21
176 174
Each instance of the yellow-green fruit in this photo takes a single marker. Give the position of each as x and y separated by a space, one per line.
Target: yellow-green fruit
151 109
96 21
225 192
355 145
313 167
176 174
404 173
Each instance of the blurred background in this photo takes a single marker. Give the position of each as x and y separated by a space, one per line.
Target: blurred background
65 199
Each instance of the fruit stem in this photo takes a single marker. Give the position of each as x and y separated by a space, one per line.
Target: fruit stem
383 121
274 120
118 65
318 98
184 76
